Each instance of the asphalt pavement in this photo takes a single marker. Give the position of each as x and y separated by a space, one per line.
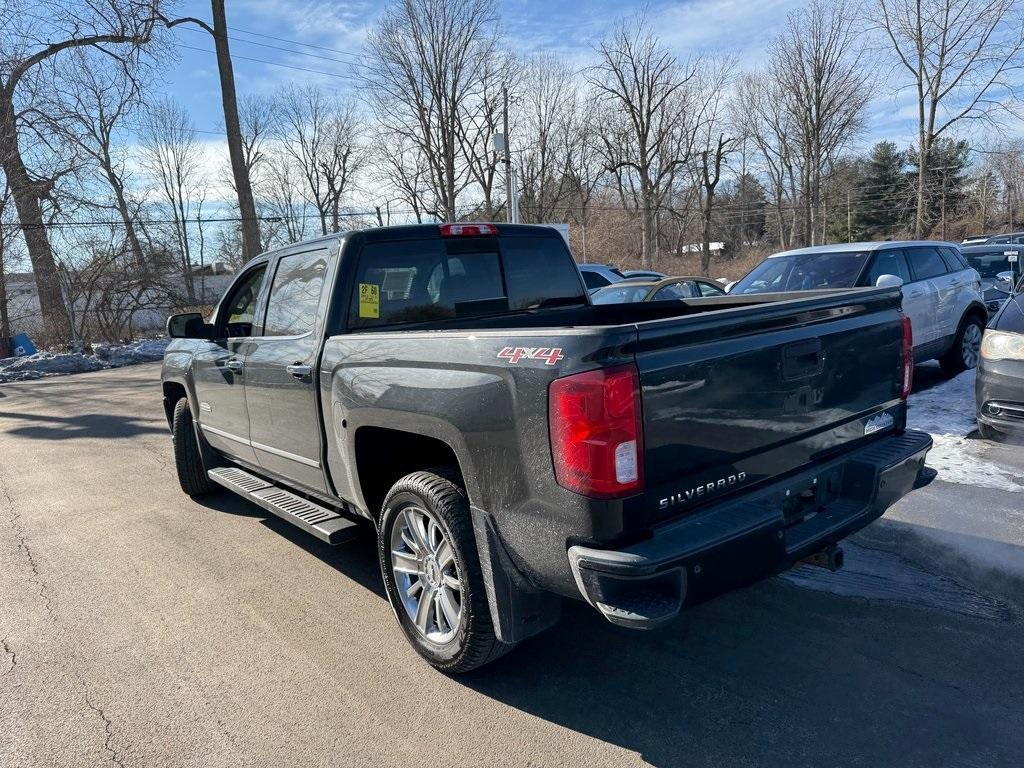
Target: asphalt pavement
142 628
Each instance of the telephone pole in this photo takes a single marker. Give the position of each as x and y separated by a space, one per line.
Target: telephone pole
508 156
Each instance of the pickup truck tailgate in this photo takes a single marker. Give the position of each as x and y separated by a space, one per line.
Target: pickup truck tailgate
739 396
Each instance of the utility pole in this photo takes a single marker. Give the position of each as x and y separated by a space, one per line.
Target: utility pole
942 200
508 157
849 219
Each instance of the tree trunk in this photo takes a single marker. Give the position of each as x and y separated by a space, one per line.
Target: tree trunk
243 185
56 327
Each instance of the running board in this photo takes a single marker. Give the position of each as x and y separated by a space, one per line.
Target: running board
326 524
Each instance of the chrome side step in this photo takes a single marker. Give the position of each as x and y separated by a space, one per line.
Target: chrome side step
326 524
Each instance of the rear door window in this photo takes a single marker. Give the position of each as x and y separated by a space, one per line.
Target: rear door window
295 294
888 262
594 280
954 261
925 262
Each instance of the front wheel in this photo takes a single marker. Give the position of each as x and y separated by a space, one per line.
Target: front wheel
188 457
989 433
431 571
966 349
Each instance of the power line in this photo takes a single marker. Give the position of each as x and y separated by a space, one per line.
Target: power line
273 63
243 41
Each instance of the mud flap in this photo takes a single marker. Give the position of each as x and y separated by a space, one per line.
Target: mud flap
517 610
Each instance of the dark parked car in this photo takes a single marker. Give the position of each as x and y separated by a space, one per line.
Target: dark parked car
668 289
1015 238
512 444
1000 383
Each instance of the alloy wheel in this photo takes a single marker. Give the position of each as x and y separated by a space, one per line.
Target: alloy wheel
426 574
970 347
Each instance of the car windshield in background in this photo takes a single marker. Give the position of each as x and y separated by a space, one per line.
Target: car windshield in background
804 272
620 293
990 264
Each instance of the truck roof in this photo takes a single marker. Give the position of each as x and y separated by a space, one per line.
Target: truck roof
864 246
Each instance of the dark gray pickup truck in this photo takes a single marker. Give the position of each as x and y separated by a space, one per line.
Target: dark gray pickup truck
513 444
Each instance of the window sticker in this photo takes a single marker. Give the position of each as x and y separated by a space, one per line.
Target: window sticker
369 300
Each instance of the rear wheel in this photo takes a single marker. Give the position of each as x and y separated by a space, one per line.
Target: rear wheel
431 571
188 458
966 349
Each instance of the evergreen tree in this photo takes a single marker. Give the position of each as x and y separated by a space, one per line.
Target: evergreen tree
948 180
884 203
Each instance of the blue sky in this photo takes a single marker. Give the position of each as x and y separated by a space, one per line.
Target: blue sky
565 27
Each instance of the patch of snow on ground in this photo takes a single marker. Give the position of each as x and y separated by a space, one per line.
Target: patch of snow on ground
43 364
946 412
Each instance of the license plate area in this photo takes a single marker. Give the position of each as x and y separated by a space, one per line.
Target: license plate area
805 500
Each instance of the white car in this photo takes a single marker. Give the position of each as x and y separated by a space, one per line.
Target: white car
942 293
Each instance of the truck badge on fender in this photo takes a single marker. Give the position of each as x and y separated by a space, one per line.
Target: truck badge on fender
515 354
704 489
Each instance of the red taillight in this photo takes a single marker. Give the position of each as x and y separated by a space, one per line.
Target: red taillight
908 359
596 435
468 230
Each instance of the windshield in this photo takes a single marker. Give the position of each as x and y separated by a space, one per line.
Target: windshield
803 272
620 293
990 264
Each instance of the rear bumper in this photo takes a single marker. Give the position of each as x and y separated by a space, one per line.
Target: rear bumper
646 584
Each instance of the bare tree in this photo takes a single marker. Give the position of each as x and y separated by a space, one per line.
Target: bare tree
425 62
960 56
173 158
819 63
549 132
321 134
232 125
89 114
761 117
113 28
400 166
643 88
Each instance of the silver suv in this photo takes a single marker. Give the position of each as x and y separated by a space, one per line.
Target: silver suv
942 293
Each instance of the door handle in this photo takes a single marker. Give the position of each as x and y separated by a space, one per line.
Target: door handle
917 293
299 371
235 365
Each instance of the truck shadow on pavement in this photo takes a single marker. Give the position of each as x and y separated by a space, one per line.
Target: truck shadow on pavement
776 674
87 425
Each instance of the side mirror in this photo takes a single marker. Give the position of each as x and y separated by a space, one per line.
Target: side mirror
1007 279
889 281
188 325
728 286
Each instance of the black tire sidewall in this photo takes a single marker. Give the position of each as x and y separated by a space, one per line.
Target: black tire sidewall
440 655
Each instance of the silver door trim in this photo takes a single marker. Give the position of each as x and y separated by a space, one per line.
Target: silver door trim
262 447
225 435
286 455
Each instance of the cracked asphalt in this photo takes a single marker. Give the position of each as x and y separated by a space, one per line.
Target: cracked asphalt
141 628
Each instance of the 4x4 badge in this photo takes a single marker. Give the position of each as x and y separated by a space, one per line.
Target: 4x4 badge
549 355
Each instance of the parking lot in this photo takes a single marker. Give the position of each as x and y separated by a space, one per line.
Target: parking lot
142 628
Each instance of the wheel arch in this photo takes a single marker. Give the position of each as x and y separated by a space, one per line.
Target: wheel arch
173 392
384 455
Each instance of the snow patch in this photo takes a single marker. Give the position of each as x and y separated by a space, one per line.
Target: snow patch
44 364
946 412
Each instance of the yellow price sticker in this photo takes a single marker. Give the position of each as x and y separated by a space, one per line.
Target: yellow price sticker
369 300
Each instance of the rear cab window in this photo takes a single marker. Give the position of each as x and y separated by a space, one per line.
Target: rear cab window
426 279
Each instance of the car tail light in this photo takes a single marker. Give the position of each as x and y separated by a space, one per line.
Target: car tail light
908 359
468 230
596 434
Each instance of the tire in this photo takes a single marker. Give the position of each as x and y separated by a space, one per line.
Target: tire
188 459
448 626
966 348
990 433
